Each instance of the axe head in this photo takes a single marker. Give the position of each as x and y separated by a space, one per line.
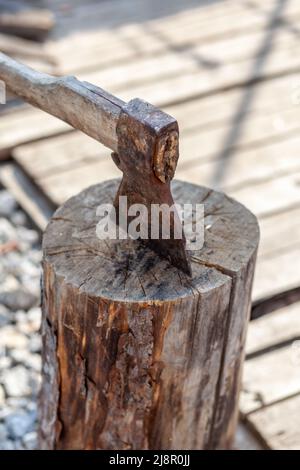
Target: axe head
148 151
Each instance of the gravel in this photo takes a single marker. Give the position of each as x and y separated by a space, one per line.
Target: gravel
20 318
8 204
16 382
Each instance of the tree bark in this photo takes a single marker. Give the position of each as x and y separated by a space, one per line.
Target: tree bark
136 354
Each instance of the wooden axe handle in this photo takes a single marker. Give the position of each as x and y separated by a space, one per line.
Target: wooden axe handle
82 105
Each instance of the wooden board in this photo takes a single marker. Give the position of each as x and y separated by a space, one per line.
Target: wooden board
277 273
142 33
251 165
279 424
27 125
21 19
34 204
216 113
278 327
271 374
262 386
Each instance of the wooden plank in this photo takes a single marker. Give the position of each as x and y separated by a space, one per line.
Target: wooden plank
280 326
208 112
279 246
232 105
30 199
173 89
130 41
269 378
272 196
60 187
256 130
279 424
21 19
155 49
264 198
117 13
243 168
279 233
276 274
61 153
26 49
26 125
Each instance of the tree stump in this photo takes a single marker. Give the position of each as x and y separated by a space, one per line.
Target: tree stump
136 354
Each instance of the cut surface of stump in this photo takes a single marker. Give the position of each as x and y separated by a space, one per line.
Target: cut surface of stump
136 354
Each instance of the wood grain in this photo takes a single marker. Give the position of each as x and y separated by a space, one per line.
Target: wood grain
86 107
159 351
279 424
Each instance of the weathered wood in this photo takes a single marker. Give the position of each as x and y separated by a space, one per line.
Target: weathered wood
19 18
279 424
271 370
156 36
201 118
136 354
201 151
28 196
277 328
269 378
29 50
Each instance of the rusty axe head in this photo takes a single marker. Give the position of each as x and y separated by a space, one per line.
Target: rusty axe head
148 151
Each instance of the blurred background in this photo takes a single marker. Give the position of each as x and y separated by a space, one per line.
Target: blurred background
229 71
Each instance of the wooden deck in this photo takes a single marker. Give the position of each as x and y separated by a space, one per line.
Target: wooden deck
229 70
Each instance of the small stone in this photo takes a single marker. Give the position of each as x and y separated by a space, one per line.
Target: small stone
3 432
30 440
19 218
30 360
8 204
27 236
35 382
31 406
2 399
35 343
16 382
5 362
10 283
7 445
35 317
19 445
35 257
5 316
34 362
18 299
16 404
29 322
7 231
11 338
12 262
4 412
19 424
3 310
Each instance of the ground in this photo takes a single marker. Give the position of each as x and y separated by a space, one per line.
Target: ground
20 314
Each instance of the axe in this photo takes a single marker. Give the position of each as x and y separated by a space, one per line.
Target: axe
144 141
